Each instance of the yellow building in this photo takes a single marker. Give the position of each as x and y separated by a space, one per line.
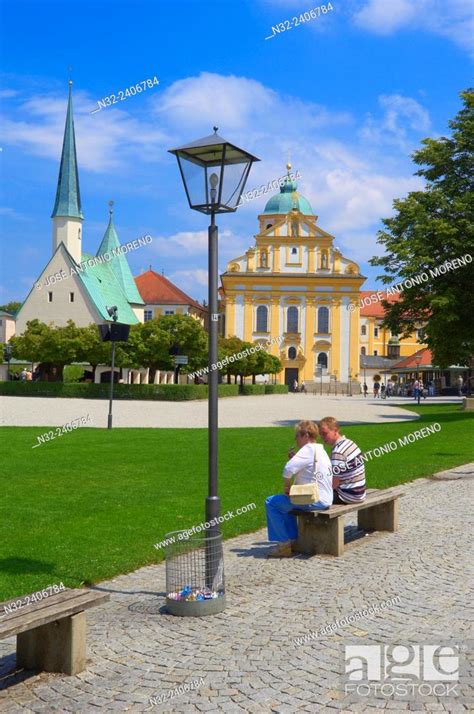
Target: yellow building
376 340
295 286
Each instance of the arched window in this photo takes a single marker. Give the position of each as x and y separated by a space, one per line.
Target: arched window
363 351
262 318
323 320
294 251
292 319
363 330
292 353
323 360
269 225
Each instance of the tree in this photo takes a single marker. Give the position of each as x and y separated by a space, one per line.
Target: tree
53 347
181 334
430 229
12 307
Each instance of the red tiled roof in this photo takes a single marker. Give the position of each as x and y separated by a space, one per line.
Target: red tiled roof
155 289
410 362
375 309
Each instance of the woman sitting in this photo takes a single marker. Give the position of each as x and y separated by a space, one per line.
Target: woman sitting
310 464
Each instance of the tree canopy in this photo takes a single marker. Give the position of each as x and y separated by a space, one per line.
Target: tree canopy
429 230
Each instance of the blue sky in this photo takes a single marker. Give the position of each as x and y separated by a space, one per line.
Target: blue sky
350 95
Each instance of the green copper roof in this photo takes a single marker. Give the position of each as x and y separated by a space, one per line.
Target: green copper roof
119 264
105 290
288 199
68 197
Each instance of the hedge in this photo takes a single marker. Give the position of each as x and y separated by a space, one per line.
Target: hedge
276 389
160 392
252 389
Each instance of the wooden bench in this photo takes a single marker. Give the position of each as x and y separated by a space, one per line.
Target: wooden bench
322 532
51 633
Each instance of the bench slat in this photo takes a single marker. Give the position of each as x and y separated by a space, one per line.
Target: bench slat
373 498
52 608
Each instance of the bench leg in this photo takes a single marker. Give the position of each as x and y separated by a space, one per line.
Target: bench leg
318 537
57 647
383 517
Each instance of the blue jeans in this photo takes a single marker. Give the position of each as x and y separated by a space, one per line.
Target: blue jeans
280 524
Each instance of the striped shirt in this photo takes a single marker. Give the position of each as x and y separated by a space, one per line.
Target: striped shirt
348 465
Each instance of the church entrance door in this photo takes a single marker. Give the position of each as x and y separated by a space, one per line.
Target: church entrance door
291 373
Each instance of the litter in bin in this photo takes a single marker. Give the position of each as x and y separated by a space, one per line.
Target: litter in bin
190 594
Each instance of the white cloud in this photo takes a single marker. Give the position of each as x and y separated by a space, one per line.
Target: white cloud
402 115
453 19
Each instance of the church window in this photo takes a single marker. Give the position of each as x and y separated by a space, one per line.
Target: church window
323 360
292 319
147 315
292 353
269 225
71 297
50 297
323 320
376 331
262 318
294 251
363 330
376 352
363 351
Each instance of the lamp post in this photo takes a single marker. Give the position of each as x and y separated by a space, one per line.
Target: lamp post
214 174
114 333
417 362
7 356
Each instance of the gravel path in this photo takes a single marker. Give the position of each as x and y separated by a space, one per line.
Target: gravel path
269 410
247 656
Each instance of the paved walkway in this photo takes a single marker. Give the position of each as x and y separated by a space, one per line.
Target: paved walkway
269 410
247 654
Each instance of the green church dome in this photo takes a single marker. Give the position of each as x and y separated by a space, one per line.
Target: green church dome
288 199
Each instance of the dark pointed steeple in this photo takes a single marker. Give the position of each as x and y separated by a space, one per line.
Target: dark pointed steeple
68 196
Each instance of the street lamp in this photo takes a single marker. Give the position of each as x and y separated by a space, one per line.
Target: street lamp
214 174
417 362
7 356
113 333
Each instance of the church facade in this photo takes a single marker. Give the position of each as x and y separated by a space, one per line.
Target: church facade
75 285
294 284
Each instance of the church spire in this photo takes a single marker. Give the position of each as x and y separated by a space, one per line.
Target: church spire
68 196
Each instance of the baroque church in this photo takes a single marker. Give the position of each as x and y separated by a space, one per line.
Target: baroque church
75 285
294 284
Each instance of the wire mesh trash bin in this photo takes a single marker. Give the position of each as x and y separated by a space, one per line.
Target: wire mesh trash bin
194 575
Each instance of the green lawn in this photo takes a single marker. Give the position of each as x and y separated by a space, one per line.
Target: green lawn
90 504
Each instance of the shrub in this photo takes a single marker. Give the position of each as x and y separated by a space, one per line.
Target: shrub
161 392
252 389
276 389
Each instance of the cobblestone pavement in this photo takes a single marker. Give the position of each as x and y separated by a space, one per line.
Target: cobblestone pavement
269 410
247 655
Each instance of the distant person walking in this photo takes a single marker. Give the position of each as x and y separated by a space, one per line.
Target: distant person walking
460 384
295 386
376 389
416 390
366 389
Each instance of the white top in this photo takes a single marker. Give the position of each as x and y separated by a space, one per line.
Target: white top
302 467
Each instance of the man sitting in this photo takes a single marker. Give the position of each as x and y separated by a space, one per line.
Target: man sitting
347 463
309 464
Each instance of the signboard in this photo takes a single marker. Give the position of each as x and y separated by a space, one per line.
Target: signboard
181 359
